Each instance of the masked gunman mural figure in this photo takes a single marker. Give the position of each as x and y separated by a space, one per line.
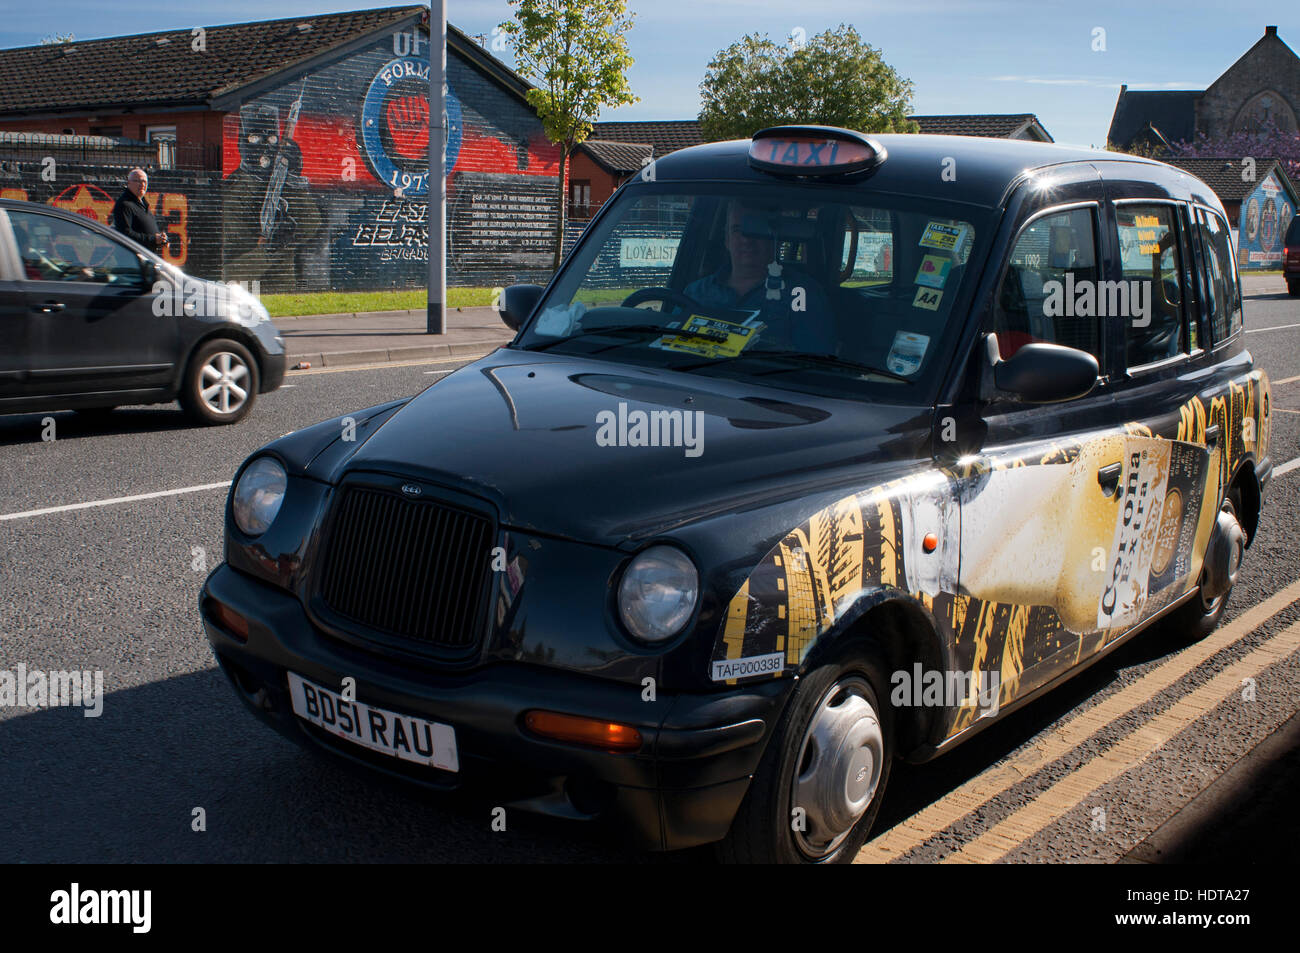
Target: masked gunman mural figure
268 213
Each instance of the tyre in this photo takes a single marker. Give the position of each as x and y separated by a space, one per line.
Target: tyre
819 785
1199 616
220 382
1293 288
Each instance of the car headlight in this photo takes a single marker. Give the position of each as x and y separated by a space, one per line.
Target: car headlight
258 495
658 593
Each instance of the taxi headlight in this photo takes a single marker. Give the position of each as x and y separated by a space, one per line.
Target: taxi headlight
258 495
658 593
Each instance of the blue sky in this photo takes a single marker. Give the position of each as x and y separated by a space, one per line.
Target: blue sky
964 56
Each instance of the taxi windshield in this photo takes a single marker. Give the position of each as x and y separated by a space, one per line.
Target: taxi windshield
818 288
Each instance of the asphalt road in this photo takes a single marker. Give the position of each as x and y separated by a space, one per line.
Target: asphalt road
114 588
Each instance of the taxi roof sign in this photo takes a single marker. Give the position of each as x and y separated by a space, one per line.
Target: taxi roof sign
814 150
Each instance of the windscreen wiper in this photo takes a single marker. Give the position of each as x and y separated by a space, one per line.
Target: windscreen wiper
634 329
799 357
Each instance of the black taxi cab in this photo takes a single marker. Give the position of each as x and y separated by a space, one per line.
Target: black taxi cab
819 450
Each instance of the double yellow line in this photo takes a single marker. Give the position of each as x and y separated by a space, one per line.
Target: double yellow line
1134 747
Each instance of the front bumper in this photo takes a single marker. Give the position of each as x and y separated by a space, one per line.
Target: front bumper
272 367
681 789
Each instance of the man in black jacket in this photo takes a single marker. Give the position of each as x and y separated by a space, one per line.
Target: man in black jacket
131 215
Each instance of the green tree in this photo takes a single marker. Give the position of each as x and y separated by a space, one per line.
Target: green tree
575 55
835 79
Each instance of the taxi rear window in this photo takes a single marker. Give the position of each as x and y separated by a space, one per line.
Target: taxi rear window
811 272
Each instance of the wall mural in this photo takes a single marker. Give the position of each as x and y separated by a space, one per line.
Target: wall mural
326 178
1265 215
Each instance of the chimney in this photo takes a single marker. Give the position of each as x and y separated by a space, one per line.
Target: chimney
1270 31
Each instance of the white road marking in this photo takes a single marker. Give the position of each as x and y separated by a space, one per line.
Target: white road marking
1286 380
1279 327
1287 467
118 499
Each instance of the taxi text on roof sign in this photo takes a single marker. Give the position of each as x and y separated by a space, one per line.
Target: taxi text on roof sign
814 150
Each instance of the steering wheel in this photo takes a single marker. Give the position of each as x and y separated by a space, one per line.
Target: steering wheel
666 295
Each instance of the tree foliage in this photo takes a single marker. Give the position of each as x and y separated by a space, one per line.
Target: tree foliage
574 53
834 79
1269 142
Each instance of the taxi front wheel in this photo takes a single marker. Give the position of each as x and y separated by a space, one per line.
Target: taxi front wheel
819 785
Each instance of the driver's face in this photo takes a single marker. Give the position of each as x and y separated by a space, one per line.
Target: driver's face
748 253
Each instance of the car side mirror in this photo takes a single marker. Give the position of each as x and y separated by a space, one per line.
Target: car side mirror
1043 373
517 304
148 273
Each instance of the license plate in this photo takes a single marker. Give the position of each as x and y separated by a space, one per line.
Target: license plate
400 736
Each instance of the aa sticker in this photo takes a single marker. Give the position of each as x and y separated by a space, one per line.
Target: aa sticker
933 272
947 238
927 298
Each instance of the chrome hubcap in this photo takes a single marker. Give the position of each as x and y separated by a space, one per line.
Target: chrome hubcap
223 382
1236 551
838 768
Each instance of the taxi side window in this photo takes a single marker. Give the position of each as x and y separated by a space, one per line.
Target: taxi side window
1224 298
1054 258
1150 296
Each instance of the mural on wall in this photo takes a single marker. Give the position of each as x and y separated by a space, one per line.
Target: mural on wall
1265 215
326 178
182 202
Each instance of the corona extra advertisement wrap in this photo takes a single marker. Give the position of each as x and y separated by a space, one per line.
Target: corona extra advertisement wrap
1027 563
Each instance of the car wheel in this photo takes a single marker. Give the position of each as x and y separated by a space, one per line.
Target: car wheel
1200 616
220 382
1293 288
819 785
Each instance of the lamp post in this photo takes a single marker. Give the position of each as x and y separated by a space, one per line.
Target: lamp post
437 191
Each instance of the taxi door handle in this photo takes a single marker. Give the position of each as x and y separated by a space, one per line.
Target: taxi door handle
1108 477
1212 435
49 306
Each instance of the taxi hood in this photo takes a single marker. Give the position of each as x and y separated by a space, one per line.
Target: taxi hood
603 452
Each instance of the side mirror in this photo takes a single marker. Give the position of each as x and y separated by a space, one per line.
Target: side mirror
517 304
1045 373
148 273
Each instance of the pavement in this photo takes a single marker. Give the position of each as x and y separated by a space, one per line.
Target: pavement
390 337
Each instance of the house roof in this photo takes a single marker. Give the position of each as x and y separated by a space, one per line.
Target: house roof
663 137
988 125
1223 175
161 69
1170 112
618 157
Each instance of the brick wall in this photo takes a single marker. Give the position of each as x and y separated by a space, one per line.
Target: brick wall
351 211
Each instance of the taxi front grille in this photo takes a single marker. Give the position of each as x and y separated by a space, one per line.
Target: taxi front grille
405 569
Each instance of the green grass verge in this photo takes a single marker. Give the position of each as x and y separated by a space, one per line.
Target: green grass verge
346 302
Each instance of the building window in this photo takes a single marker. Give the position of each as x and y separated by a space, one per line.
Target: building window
580 199
165 137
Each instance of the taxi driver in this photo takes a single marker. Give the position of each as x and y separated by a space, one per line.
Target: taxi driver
743 284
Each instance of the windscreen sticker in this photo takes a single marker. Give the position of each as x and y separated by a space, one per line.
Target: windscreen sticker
933 271
944 237
907 352
711 337
927 298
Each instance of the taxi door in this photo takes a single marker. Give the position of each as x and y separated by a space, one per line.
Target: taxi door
1040 496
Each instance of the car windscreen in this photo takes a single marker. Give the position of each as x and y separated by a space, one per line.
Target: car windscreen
822 288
